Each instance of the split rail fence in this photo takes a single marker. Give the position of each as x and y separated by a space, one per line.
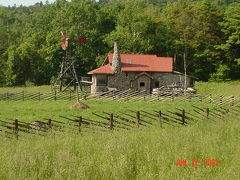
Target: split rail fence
128 95
107 121
25 96
124 95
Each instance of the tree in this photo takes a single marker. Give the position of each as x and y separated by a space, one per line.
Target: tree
30 36
231 45
4 43
196 25
135 28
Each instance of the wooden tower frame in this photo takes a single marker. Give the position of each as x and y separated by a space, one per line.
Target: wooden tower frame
67 72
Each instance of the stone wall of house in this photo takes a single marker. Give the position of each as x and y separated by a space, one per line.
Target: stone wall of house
120 80
123 81
98 89
166 79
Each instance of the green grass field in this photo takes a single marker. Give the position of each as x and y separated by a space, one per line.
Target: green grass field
29 111
137 154
144 153
34 89
216 88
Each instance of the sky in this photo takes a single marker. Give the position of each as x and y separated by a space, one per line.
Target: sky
23 2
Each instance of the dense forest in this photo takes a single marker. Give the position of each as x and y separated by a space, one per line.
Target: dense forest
206 31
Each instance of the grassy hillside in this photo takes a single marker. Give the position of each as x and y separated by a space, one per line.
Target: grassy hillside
36 110
215 88
231 88
144 153
137 154
32 89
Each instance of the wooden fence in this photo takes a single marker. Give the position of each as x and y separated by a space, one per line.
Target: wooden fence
107 121
124 95
128 95
25 96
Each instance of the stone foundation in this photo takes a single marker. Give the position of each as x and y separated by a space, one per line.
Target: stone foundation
98 89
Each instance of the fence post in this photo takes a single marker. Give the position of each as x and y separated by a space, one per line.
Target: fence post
113 95
55 95
70 96
160 118
183 117
79 123
200 98
7 96
210 98
39 96
138 118
23 95
49 123
15 128
232 101
221 99
111 121
207 112
189 98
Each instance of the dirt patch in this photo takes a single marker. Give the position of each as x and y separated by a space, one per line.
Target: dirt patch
79 105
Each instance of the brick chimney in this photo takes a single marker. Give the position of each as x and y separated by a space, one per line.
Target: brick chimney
116 62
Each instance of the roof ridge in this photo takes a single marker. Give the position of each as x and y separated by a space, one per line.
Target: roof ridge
136 54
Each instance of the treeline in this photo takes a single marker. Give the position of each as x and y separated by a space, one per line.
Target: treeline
207 32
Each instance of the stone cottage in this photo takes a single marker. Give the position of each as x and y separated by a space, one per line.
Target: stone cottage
136 71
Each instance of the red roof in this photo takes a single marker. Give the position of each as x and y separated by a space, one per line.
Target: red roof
137 62
106 69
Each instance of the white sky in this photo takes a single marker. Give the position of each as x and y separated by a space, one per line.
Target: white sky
23 2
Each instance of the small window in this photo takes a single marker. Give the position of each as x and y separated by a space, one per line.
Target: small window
156 84
129 61
142 84
101 82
